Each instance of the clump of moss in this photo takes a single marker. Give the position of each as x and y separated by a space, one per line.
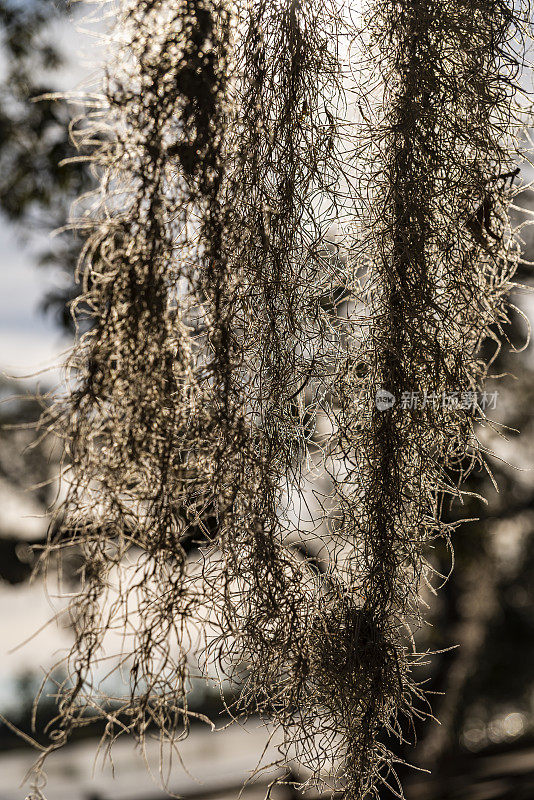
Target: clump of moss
259 270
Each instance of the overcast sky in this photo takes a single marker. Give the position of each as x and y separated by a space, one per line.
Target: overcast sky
29 340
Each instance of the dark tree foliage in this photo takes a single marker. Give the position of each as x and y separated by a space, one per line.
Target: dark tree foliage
36 186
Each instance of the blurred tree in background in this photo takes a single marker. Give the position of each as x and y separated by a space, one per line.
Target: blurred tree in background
36 186
36 191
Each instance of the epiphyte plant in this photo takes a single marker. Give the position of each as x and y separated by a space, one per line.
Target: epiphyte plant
301 211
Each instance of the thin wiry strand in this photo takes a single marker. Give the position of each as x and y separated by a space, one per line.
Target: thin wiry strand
285 180
186 419
136 422
440 261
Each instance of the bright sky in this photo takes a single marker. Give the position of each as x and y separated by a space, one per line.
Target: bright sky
29 340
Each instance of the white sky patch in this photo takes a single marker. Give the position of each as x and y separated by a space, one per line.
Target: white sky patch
30 341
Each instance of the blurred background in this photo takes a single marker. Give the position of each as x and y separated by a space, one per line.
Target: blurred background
483 689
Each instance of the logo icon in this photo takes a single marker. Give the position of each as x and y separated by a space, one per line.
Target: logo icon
384 399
